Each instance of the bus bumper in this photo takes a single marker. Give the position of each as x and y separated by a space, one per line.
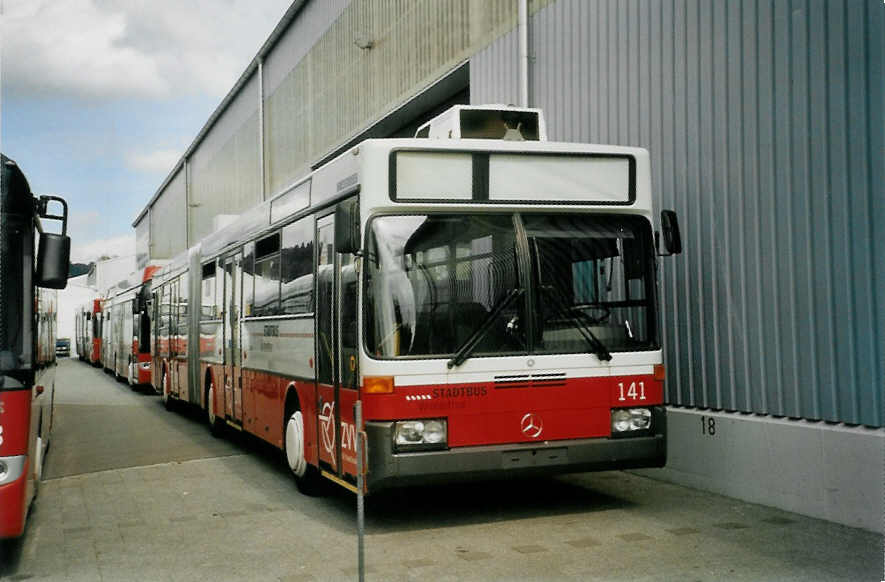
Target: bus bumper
12 498
389 469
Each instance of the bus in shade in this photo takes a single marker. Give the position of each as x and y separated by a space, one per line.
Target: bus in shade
489 296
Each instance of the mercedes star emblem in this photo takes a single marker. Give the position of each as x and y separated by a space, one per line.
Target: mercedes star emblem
532 425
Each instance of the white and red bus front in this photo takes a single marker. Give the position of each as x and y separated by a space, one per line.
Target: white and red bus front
510 323
97 330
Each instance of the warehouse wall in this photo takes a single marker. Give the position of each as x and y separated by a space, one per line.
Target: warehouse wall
765 124
337 69
142 242
375 56
224 170
168 219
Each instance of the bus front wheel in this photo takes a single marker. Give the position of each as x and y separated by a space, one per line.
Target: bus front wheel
307 477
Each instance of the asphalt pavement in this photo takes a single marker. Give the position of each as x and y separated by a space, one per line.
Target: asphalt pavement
133 492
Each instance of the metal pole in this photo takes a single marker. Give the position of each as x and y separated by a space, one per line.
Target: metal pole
523 26
360 502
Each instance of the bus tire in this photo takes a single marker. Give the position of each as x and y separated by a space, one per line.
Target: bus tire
216 425
167 399
307 477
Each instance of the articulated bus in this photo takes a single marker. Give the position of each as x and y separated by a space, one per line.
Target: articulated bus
489 296
79 331
33 263
127 330
88 331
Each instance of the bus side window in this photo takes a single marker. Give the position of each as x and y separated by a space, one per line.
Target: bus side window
248 277
297 268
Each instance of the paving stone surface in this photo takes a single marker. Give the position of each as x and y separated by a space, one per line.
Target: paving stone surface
184 506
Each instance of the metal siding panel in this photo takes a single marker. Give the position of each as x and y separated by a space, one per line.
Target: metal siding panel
876 98
313 20
845 404
806 389
168 217
224 172
763 118
824 349
494 72
142 242
868 390
753 323
335 89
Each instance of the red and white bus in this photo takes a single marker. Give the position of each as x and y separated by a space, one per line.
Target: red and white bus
31 270
127 349
80 331
489 296
88 330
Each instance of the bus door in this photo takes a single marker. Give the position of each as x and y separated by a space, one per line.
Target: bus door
337 371
327 393
233 390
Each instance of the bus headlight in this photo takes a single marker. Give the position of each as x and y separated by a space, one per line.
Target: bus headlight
11 468
419 435
630 419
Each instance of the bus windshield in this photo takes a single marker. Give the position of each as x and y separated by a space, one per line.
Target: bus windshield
434 280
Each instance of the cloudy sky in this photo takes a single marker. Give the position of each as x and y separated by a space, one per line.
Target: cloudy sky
99 98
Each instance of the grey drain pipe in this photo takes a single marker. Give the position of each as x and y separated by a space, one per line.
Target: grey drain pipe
523 26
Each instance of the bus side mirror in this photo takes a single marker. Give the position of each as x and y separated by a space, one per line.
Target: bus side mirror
53 260
347 227
54 252
670 228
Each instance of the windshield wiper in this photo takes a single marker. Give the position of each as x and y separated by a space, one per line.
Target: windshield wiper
470 343
594 342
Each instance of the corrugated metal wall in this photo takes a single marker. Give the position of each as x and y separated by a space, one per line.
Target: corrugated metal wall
168 219
338 68
224 171
494 72
142 242
765 124
337 88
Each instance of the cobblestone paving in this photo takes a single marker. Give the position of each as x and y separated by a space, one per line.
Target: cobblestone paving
234 514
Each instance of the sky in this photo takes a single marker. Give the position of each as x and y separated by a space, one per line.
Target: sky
100 98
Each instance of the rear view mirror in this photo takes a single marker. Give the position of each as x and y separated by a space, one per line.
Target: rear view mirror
54 252
670 228
53 260
347 227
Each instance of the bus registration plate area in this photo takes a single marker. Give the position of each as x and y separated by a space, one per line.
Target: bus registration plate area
534 458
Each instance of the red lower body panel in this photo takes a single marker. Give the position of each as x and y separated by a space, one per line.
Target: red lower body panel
13 506
486 413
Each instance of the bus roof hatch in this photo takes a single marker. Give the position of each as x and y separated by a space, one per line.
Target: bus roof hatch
503 122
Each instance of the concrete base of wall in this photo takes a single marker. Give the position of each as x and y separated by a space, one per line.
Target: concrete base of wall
831 472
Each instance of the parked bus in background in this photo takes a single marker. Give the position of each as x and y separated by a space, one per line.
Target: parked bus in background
80 325
89 332
128 329
33 263
88 322
490 297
